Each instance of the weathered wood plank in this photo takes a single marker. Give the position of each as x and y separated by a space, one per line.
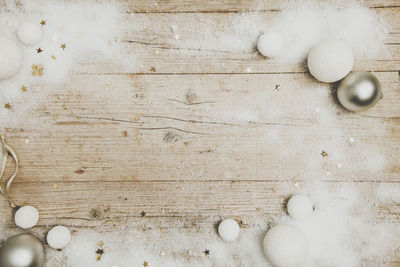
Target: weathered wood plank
103 203
217 127
205 45
231 5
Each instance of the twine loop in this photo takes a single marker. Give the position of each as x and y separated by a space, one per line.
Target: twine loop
5 188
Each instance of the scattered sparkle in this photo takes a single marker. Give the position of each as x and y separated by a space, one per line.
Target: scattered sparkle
324 154
24 88
43 22
39 50
63 46
143 213
153 69
277 87
207 252
7 106
145 264
100 244
26 141
339 165
351 141
248 70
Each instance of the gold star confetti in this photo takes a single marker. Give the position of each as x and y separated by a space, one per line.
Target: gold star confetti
53 57
100 244
99 253
324 154
63 46
24 88
43 22
153 69
277 87
145 264
37 70
7 106
39 50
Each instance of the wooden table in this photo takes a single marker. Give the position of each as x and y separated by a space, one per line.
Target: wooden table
187 143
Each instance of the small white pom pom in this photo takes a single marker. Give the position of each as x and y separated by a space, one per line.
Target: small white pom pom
270 44
26 217
11 58
29 33
300 207
58 237
330 61
285 246
228 230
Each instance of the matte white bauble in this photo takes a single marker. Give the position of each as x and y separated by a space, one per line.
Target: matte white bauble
285 246
30 33
58 237
300 207
10 58
330 60
228 230
26 217
270 44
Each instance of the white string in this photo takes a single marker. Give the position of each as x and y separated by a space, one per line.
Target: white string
6 149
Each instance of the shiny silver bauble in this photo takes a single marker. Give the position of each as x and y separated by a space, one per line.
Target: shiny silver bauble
359 91
22 251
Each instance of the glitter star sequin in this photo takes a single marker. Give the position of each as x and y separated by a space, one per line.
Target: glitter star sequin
145 264
37 70
39 50
24 88
142 213
63 46
7 106
324 154
277 87
206 252
153 69
43 22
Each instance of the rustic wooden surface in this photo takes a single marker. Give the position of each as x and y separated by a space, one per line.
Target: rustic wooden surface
160 149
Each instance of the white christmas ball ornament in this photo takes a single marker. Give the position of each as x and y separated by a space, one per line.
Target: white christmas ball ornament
30 33
228 230
330 61
10 58
26 217
300 207
270 44
285 246
58 237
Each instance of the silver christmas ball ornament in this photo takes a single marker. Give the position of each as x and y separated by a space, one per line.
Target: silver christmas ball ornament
359 91
22 251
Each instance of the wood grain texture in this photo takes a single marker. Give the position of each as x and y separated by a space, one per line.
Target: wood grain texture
199 138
